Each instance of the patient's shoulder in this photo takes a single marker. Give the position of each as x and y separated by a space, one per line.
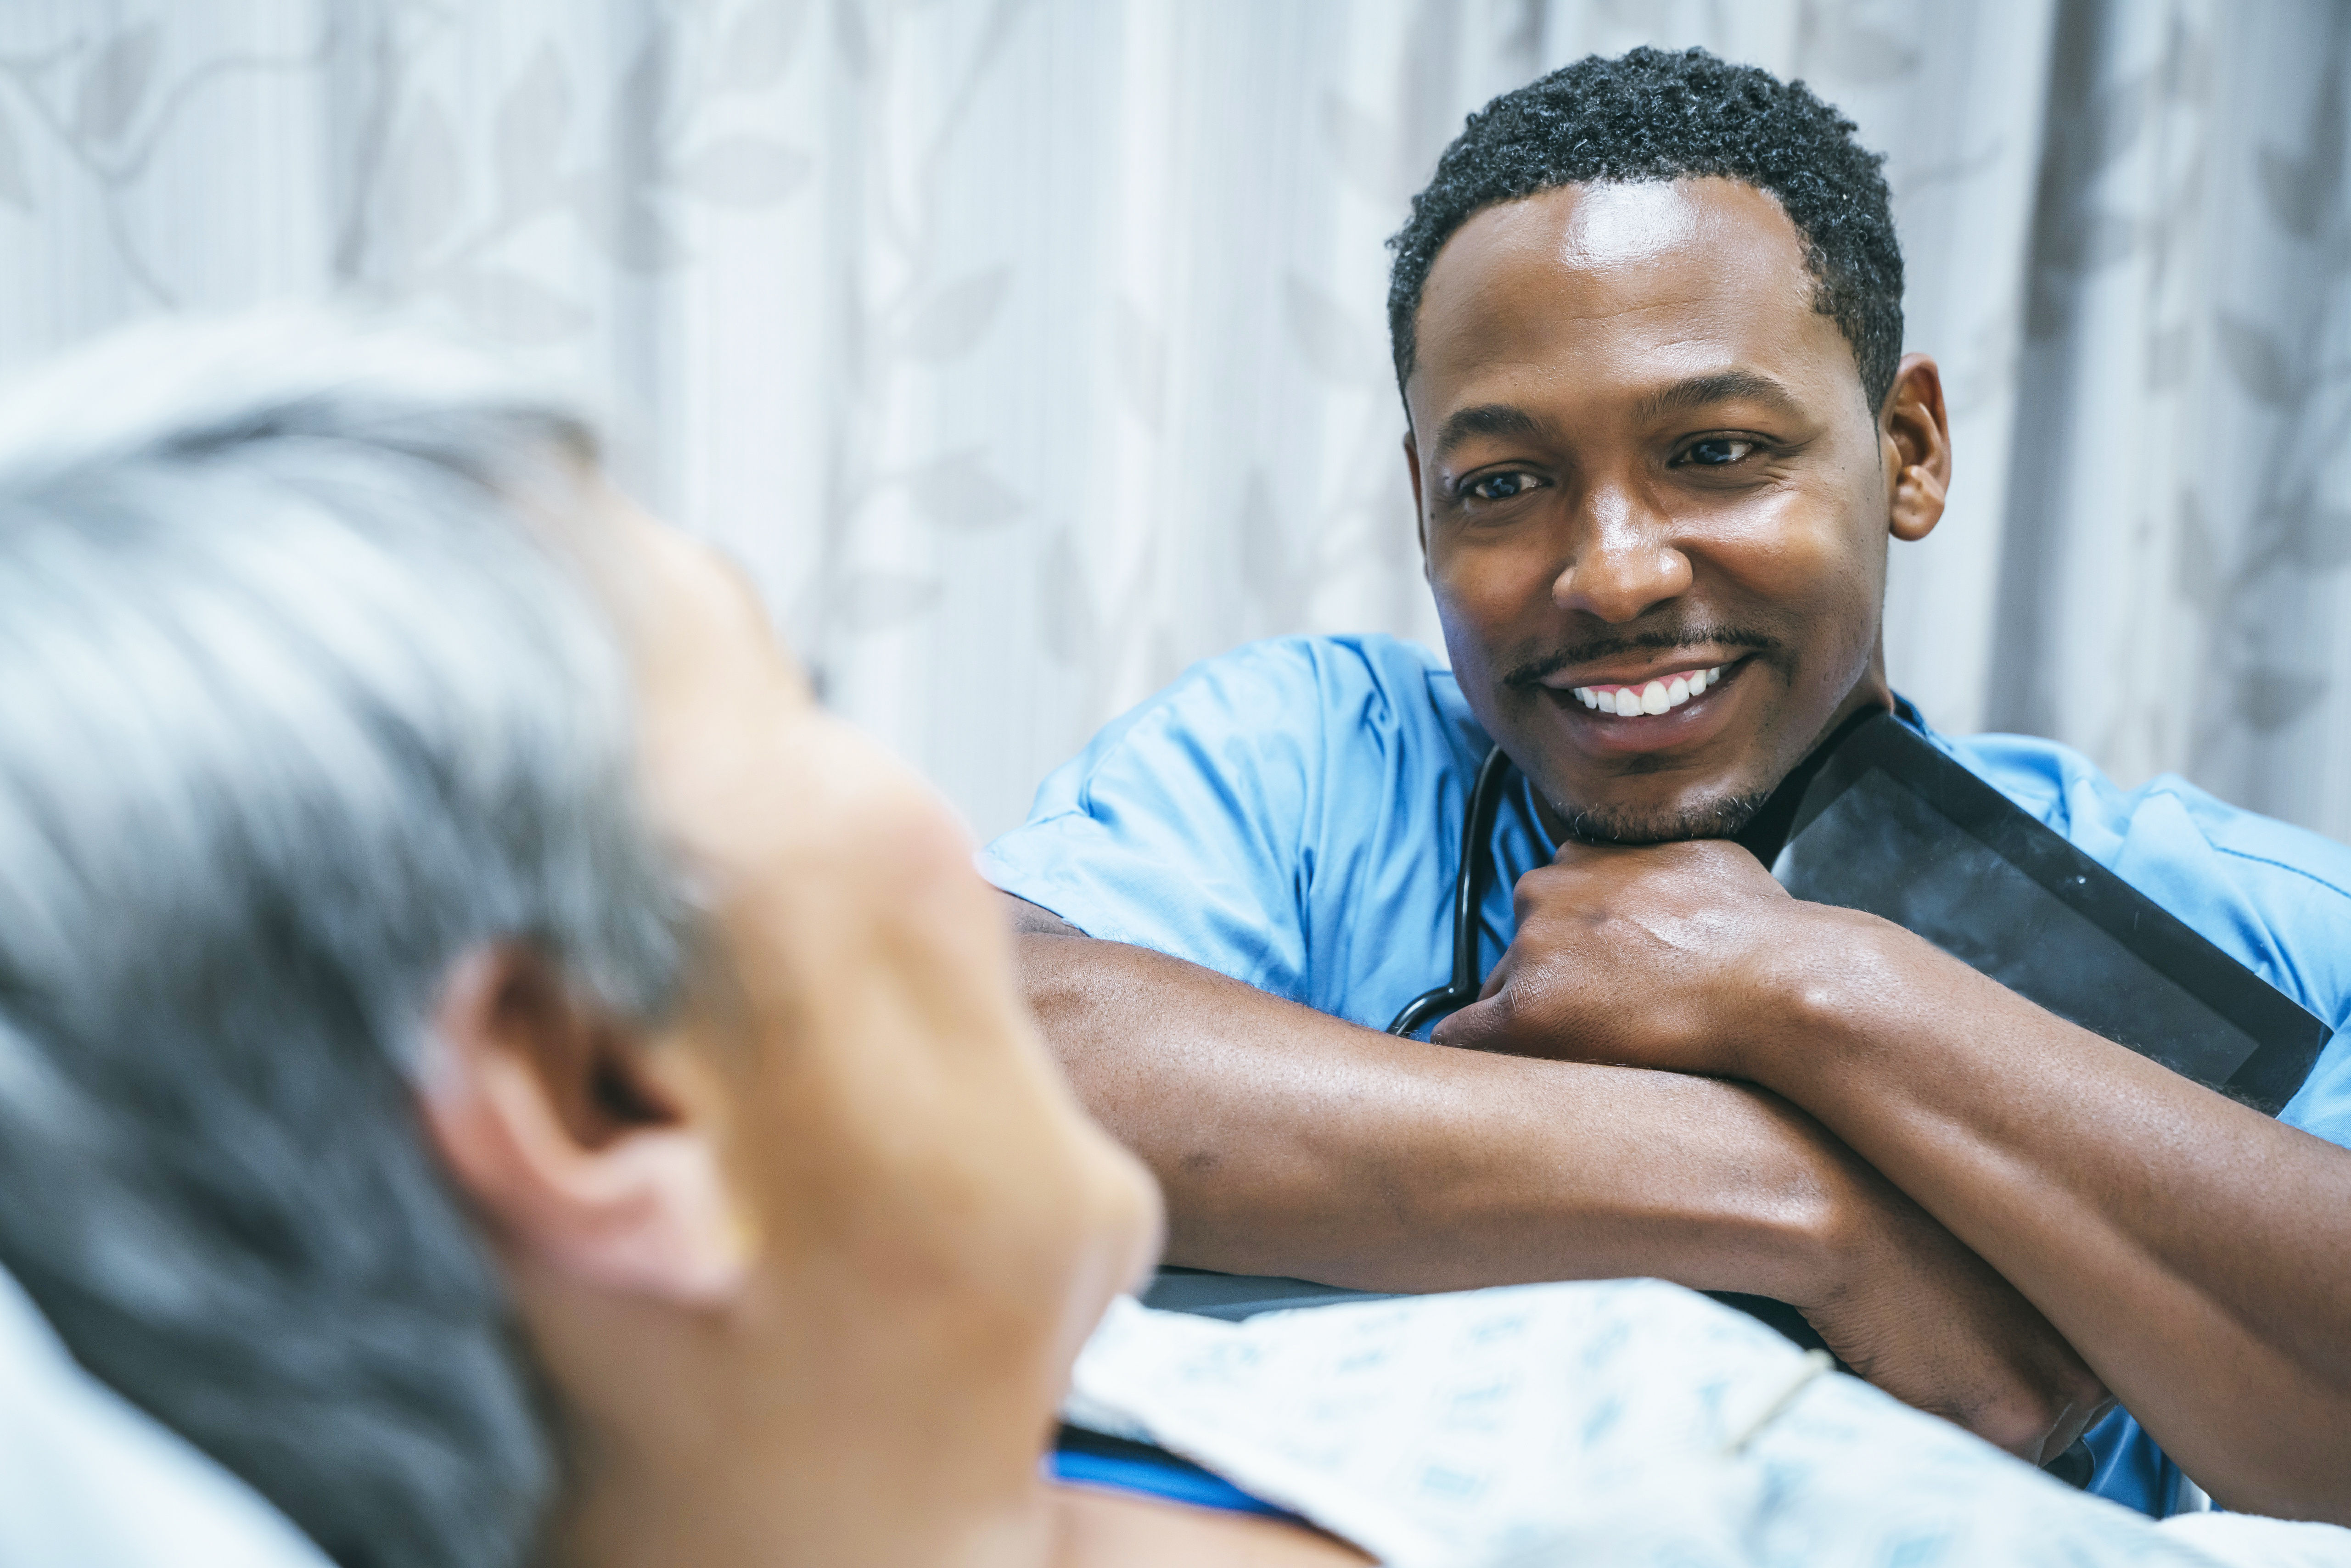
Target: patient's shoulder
1109 1529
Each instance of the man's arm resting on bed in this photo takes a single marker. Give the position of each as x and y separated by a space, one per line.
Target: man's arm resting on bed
2195 1251
1293 1143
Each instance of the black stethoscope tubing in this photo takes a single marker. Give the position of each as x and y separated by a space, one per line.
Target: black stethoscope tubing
1468 897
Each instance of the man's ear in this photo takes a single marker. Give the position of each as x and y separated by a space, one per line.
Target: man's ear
1419 516
584 1148
1916 439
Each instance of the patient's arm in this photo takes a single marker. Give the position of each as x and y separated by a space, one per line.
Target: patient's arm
1293 1143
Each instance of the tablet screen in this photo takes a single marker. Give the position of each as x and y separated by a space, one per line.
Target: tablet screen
1890 825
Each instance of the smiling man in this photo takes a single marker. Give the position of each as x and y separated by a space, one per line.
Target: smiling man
1649 365
1647 325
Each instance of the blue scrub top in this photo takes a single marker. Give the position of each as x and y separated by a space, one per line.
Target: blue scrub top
1290 813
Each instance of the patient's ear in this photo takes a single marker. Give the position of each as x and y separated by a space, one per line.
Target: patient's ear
586 1148
1917 439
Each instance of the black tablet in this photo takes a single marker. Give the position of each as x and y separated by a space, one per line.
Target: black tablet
1889 824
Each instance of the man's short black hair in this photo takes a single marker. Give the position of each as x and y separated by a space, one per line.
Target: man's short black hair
1654 115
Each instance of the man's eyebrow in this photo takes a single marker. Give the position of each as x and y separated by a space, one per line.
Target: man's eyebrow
1484 419
1680 397
1699 392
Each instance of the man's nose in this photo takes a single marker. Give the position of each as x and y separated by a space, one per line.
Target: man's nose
1622 562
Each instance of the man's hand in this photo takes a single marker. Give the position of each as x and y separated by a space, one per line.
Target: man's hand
1668 958
1655 956
1915 1313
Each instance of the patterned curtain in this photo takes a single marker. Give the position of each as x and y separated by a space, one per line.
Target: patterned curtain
1025 350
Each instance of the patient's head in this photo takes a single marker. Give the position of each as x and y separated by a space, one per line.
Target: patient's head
1647 321
479 1052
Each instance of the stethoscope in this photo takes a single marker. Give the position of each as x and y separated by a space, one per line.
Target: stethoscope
1468 898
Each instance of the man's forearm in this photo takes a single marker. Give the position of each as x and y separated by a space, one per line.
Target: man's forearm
1293 1143
2195 1252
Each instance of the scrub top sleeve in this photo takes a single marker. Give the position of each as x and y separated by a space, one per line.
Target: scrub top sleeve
1181 827
2276 897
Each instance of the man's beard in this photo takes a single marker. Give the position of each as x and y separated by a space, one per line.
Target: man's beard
1726 817
1723 818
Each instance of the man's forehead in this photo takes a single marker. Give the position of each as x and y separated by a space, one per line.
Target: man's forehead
1654 280
1636 224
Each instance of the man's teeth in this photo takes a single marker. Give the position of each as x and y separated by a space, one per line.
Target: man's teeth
1656 696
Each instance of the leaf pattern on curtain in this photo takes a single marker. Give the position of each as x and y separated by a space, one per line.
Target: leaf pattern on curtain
1025 350
2174 590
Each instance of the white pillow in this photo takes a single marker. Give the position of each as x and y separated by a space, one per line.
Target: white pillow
88 1479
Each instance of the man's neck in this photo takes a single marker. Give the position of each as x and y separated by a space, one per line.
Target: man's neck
1767 831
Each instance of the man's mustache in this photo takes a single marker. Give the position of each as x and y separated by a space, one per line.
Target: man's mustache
1663 638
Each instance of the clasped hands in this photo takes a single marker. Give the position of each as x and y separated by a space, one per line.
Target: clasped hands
1688 958
1671 956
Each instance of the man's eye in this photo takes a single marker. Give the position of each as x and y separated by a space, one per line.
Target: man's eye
1501 486
1718 452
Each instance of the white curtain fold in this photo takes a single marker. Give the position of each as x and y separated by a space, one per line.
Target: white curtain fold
1025 350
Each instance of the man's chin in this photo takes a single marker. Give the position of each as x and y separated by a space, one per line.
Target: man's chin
1724 817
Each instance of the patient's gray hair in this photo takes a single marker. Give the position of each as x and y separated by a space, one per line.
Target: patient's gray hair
295 705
